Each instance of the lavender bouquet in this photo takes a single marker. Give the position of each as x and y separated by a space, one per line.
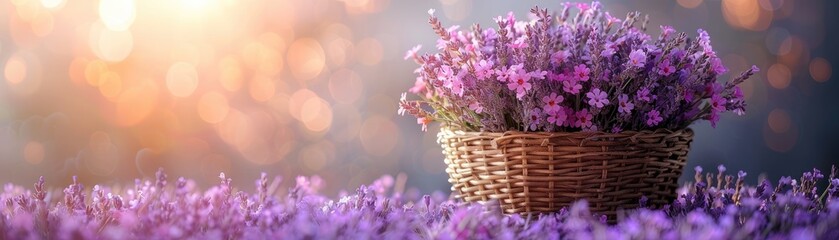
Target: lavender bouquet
589 72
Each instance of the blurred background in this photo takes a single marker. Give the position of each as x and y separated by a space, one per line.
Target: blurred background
111 90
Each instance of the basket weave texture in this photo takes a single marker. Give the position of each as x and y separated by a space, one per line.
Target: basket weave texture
532 172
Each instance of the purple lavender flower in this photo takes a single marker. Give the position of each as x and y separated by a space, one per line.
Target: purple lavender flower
665 69
703 210
597 98
552 102
637 58
653 118
583 119
413 52
624 105
581 72
483 69
557 117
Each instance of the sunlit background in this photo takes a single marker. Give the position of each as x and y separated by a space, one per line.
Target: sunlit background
111 90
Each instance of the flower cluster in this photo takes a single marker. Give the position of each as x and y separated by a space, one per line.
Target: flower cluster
717 206
589 72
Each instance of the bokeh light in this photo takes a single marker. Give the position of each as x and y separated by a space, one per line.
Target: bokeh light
110 45
213 107
779 76
306 58
820 69
34 152
689 3
181 79
117 15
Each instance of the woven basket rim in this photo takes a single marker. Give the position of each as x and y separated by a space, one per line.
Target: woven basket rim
578 133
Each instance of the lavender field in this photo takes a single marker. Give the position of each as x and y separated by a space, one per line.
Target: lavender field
716 206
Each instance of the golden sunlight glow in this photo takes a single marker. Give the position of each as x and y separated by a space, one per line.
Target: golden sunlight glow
33 152
262 88
136 103
100 158
370 51
22 73
110 45
93 70
316 114
213 107
42 24
746 14
110 85
378 135
15 70
196 5
53 4
295 102
345 86
306 58
230 75
117 15
181 79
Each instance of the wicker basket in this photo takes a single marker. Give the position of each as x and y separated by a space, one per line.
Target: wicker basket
532 172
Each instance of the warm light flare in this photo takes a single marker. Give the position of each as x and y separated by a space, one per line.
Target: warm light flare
117 15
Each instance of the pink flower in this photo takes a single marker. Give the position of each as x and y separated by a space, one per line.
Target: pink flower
519 81
653 118
557 117
717 103
477 107
504 73
535 118
413 52
483 69
450 80
624 105
637 58
583 119
581 72
552 102
559 57
571 86
597 98
665 69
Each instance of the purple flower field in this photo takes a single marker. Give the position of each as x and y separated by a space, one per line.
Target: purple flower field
716 206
